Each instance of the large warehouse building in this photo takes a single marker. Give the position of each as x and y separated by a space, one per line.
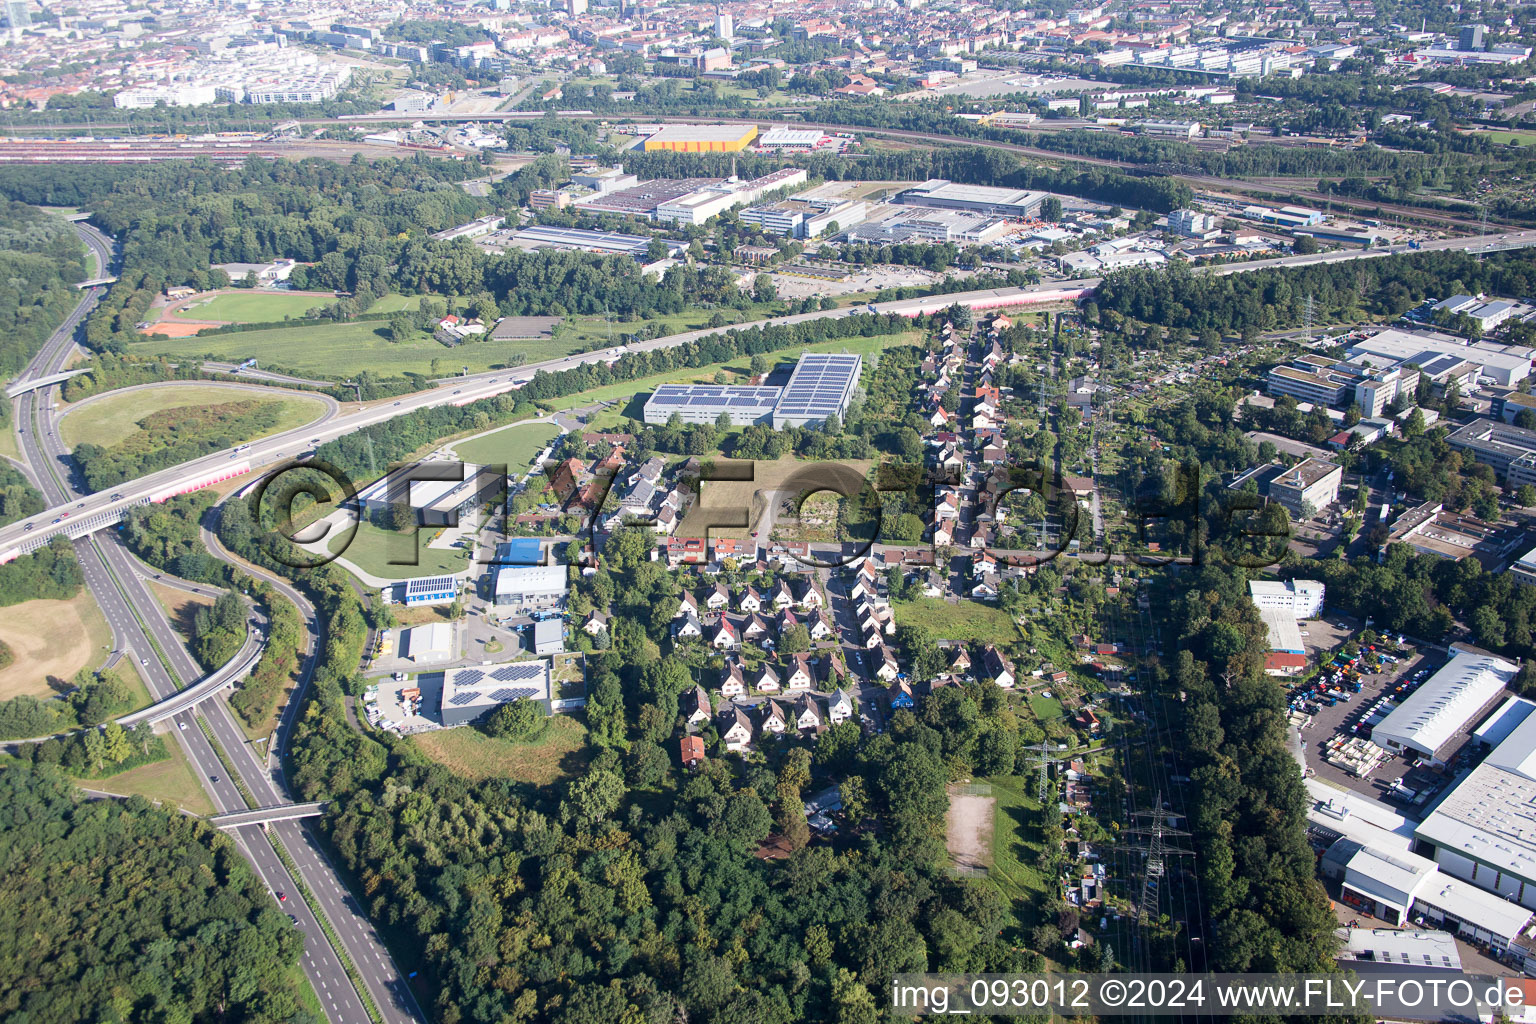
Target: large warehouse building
1450 700
940 194
520 589
469 694
1484 830
821 385
702 138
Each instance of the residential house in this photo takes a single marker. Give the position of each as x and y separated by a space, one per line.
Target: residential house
773 717
735 728
755 630
718 598
807 713
839 707
596 623
799 676
751 600
960 663
818 625
899 695
886 666
781 596
732 682
766 680
687 627
810 595
695 705
723 635
691 751
996 667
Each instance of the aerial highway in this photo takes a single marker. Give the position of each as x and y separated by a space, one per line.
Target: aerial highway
87 514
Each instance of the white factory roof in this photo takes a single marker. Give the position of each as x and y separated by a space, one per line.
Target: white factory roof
1491 818
1393 877
531 579
1357 817
1488 911
1447 701
1503 721
1408 347
1284 633
1517 752
434 639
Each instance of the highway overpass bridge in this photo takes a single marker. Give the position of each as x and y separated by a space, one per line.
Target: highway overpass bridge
266 815
227 675
21 387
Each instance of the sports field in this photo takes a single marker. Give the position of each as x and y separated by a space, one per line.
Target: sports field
253 307
51 640
339 350
113 418
515 445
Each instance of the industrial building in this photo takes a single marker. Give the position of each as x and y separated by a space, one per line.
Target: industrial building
520 551
1504 446
470 694
1454 697
821 384
1300 599
609 243
799 218
1192 224
642 200
1484 830
1311 483
430 643
702 138
437 502
703 403
474 229
548 636
1506 365
1325 381
1486 315
429 590
520 589
937 226
941 194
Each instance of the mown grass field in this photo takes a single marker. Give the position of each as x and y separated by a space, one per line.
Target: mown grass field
113 418
515 445
327 349
253 307
372 549
467 752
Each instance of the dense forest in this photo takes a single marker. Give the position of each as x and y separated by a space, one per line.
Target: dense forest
41 259
1248 810
117 910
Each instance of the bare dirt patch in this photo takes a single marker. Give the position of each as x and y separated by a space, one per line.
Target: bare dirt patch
968 827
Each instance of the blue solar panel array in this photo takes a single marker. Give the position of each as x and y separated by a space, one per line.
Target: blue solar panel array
716 395
820 386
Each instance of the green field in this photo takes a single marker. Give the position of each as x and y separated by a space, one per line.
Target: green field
1503 138
515 445
253 307
1046 709
559 751
969 621
372 549
1014 856
340 350
170 781
113 418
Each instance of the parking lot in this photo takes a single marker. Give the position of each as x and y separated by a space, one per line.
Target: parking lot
1346 718
388 709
